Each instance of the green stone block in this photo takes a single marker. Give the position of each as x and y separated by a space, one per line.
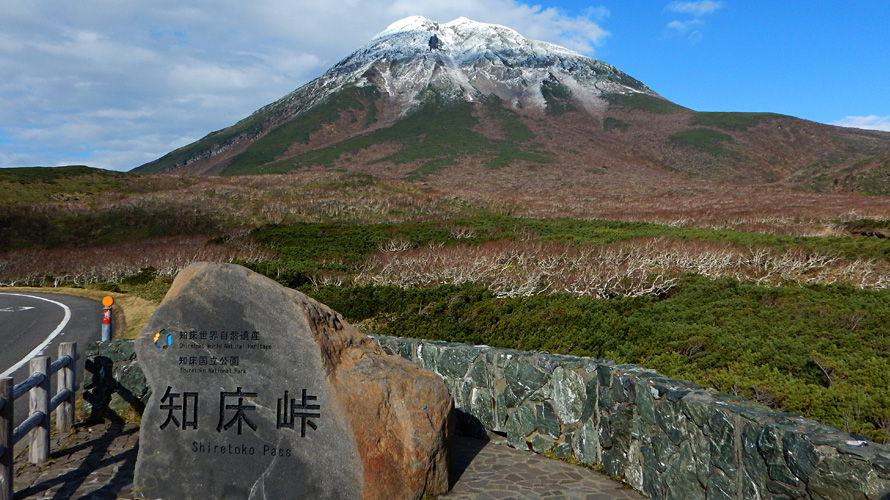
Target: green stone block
479 373
587 444
720 431
563 450
619 390
131 382
515 436
664 451
455 361
800 455
844 478
614 460
482 406
590 399
604 375
755 466
604 397
680 481
547 420
698 407
406 349
671 420
720 487
645 402
429 354
769 445
500 411
568 393
541 444
605 432
523 379
526 420
461 390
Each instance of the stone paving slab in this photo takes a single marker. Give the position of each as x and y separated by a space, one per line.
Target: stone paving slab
91 462
97 462
490 470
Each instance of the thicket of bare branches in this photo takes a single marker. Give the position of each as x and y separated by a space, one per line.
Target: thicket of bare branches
110 263
641 267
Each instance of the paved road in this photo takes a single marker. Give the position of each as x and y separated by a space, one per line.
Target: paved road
34 323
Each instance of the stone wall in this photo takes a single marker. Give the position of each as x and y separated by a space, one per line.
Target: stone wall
114 384
669 439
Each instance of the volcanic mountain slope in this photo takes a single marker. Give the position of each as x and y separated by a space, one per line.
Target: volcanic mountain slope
422 97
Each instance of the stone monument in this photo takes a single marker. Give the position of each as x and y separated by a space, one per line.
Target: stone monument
261 392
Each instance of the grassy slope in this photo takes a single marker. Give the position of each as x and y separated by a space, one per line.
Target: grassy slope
36 184
434 136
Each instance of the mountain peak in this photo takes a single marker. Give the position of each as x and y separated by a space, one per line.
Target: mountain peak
411 23
416 62
467 60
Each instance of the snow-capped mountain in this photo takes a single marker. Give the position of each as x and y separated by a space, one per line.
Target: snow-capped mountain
468 59
461 60
421 97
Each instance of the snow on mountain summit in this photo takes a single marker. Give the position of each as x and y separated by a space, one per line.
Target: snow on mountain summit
465 60
463 36
412 23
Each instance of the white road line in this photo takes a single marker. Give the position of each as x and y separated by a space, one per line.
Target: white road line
37 350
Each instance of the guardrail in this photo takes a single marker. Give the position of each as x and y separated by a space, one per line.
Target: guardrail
41 407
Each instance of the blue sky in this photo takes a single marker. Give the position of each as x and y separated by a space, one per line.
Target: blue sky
116 84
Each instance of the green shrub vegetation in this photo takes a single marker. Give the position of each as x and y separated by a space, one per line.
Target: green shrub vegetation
436 135
53 175
820 351
732 121
41 184
610 123
354 242
704 139
275 143
869 176
22 228
557 96
645 102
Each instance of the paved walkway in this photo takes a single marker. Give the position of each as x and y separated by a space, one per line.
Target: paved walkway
97 462
496 471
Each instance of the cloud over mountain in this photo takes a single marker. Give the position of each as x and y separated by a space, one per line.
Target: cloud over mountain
163 73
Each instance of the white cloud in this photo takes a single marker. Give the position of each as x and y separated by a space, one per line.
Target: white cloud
690 29
871 122
684 27
697 9
116 84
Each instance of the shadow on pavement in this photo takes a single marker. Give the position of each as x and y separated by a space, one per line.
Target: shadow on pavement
113 467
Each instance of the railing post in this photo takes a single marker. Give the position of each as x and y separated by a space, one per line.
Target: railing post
67 380
38 452
6 418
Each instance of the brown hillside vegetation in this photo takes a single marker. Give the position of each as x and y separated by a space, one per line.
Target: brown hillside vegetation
167 220
783 248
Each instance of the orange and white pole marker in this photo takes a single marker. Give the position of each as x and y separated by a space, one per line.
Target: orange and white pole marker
107 302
